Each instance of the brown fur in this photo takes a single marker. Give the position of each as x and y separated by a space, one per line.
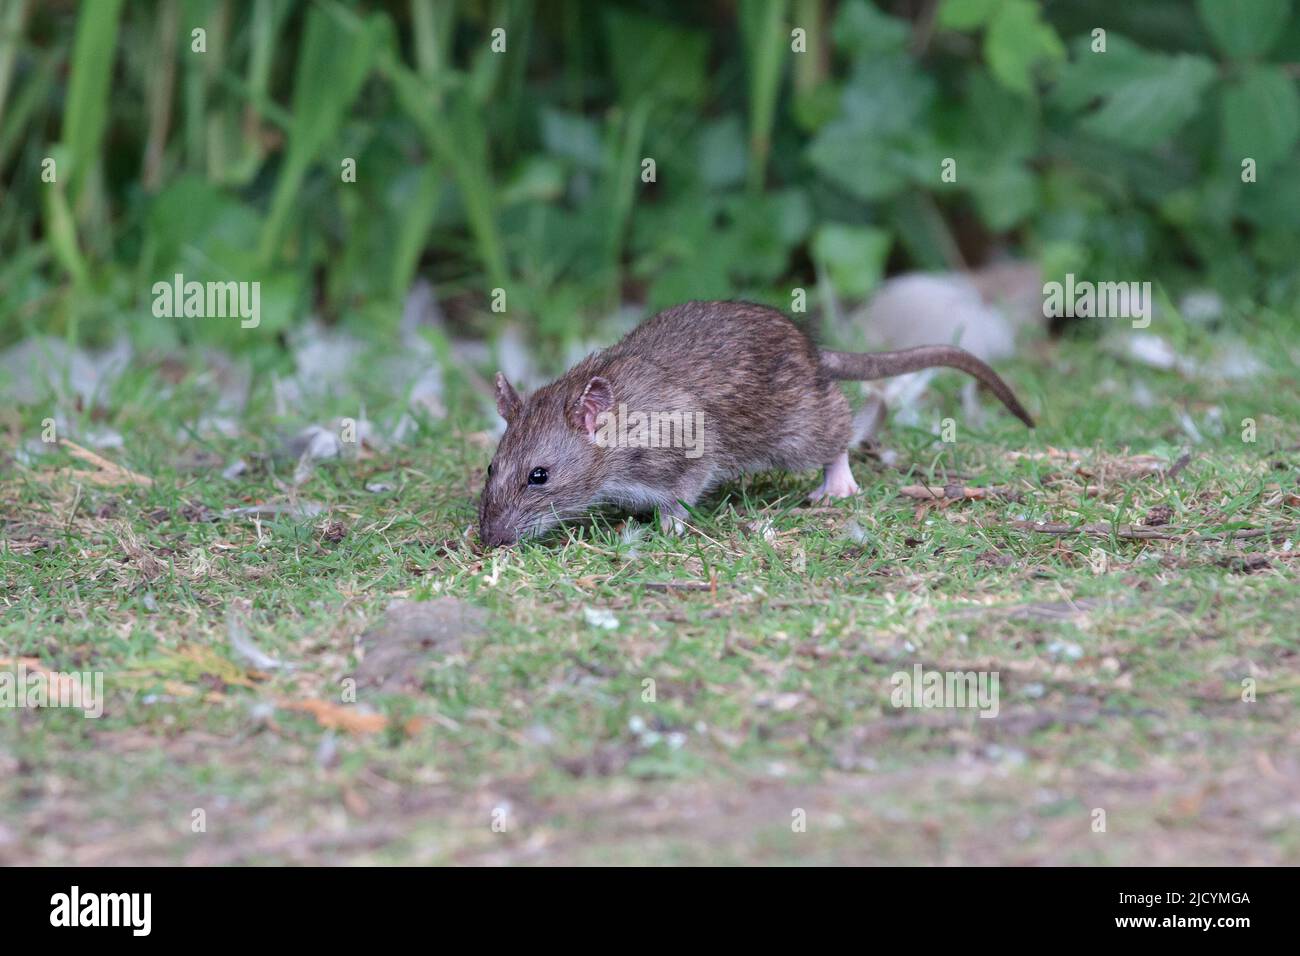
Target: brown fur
766 398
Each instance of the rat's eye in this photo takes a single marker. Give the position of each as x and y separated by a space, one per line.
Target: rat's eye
491 471
538 476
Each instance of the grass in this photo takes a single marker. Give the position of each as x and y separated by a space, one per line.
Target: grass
1121 661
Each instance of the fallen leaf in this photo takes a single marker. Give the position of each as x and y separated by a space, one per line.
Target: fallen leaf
62 685
337 717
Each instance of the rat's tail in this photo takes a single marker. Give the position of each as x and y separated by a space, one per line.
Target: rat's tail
871 365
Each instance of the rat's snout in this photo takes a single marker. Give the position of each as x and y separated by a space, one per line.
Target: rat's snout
494 530
496 536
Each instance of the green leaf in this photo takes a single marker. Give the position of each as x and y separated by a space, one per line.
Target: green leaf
536 179
868 166
853 256
705 277
791 215
1244 28
886 94
194 223
861 27
765 229
1261 115
998 120
574 137
1144 112
1017 41
1005 195
1089 76
209 235
881 140
1273 205
650 57
722 153
814 108
966 14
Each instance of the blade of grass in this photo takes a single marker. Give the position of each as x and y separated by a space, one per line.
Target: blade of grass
520 16
253 90
333 62
623 171
413 231
197 14
11 32
458 139
61 233
762 24
216 123
485 71
31 102
86 115
432 23
810 68
160 95
573 55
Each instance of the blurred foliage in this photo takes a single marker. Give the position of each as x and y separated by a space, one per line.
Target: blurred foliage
795 143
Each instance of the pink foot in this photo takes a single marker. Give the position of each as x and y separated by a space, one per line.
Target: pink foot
837 482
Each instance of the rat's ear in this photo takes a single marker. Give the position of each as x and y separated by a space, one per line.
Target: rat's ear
509 403
596 399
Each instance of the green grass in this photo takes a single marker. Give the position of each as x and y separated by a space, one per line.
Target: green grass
1120 661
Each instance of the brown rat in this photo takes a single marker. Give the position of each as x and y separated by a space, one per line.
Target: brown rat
696 395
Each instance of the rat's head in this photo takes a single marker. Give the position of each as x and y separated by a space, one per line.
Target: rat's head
548 464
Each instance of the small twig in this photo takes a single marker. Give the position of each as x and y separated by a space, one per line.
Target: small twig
1138 533
85 454
72 513
676 585
108 473
685 619
1179 465
708 538
953 492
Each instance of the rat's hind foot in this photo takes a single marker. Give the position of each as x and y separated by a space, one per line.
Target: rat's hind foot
838 481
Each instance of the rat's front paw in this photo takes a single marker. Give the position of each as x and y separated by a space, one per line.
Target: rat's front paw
672 524
673 520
